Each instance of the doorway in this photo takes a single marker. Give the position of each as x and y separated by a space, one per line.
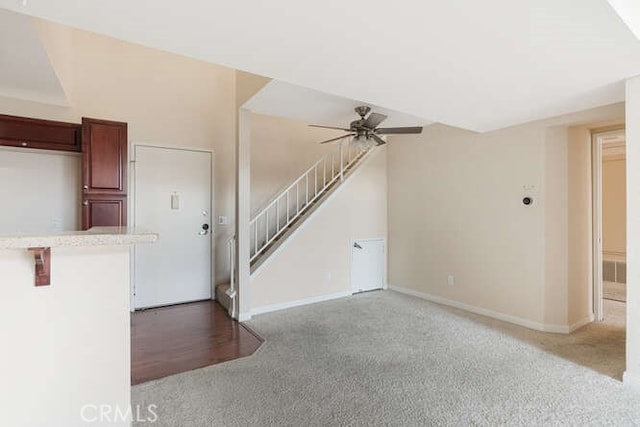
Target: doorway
609 208
367 265
172 196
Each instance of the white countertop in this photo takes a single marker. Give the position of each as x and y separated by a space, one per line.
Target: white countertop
97 236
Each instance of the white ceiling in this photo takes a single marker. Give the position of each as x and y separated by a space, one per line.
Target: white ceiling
478 65
25 71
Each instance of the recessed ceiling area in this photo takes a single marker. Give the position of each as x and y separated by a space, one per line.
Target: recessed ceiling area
26 71
475 65
313 107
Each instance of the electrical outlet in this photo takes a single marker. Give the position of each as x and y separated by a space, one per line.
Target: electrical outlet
56 224
450 280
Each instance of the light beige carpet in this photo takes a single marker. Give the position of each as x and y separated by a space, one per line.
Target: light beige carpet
383 358
614 291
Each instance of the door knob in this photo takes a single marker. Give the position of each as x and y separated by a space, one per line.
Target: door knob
205 230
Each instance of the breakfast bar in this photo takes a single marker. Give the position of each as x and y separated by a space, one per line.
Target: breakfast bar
60 292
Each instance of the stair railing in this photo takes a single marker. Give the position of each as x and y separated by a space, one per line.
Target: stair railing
293 201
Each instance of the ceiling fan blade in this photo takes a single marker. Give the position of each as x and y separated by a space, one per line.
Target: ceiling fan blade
335 139
379 141
330 127
394 131
374 120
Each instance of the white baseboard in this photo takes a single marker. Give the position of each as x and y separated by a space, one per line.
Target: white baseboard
580 323
531 324
243 317
297 303
631 380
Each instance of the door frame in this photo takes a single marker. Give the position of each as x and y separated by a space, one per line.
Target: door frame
132 206
596 293
385 285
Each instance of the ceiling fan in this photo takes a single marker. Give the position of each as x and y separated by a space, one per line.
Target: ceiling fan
367 129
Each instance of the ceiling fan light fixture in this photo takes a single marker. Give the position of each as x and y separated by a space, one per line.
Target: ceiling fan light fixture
363 141
365 131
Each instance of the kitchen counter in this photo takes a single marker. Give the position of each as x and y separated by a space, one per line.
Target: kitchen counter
97 236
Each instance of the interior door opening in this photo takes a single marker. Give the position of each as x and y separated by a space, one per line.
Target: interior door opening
609 224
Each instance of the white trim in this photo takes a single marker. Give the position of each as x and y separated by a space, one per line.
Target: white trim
367 159
596 189
561 329
631 380
243 317
580 323
297 303
165 146
598 142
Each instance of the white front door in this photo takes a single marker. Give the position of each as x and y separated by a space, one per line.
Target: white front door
172 198
367 265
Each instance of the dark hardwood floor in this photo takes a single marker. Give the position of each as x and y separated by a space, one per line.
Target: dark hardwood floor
174 339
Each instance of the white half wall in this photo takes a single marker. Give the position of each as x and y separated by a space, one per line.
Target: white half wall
66 345
314 263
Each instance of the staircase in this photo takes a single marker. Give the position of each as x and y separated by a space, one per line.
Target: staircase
273 224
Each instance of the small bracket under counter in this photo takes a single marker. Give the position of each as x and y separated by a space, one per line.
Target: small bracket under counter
42 259
40 245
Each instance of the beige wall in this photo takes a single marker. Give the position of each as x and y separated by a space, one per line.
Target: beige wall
579 225
614 207
455 208
64 345
166 100
553 195
315 262
281 150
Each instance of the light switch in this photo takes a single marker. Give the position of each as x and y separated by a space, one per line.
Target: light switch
175 201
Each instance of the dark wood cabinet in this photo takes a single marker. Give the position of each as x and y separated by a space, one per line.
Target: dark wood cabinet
104 157
104 150
37 133
104 173
104 210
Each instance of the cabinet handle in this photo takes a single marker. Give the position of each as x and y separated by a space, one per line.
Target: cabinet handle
85 203
85 187
24 144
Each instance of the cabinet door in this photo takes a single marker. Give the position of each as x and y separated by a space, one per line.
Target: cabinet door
104 157
104 211
37 133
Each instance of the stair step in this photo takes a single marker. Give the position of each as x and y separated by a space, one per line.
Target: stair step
221 295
